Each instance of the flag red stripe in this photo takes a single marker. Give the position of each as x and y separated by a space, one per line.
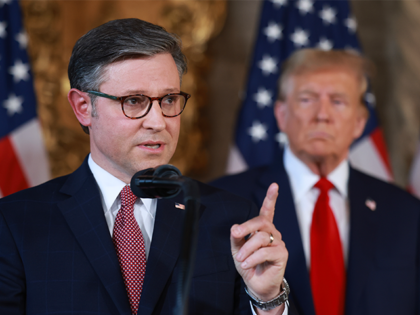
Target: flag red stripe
12 178
378 139
410 189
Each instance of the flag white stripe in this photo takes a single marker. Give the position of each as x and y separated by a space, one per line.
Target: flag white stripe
415 174
365 157
236 163
30 151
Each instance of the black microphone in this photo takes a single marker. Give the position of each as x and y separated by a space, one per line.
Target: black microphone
163 181
166 181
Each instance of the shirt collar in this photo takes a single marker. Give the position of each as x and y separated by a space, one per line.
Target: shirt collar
302 179
340 177
110 186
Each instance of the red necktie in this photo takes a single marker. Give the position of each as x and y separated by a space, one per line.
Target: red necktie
129 243
327 274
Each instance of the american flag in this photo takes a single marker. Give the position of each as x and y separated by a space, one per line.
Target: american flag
23 160
414 180
285 26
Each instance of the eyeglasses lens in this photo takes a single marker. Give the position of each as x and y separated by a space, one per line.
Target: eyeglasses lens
137 106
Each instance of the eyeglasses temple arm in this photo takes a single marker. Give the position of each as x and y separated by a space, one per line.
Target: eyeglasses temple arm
103 95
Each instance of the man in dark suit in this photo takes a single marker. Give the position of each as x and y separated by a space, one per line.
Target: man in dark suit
359 235
84 244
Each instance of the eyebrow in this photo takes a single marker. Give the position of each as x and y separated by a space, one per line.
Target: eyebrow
164 92
342 95
307 92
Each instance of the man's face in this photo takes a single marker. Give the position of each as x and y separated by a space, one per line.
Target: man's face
322 114
123 146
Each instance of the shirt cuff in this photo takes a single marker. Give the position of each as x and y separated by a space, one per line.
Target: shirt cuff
285 312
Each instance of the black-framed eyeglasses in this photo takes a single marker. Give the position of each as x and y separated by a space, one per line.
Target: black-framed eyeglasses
138 105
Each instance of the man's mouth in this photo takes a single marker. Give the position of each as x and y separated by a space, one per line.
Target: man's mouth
320 135
152 146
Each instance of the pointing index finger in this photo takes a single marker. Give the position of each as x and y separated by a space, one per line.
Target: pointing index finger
267 209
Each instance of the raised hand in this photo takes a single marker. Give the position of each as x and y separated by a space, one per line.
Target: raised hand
260 259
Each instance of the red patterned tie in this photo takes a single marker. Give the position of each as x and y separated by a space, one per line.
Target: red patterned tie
327 274
129 243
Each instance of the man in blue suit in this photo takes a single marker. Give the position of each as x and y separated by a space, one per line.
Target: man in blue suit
372 225
84 244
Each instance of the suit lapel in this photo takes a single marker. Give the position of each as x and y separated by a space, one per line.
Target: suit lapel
362 240
164 252
85 217
286 222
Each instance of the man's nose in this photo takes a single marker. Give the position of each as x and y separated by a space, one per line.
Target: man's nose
323 109
154 118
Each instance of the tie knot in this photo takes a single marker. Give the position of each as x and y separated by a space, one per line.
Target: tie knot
127 197
324 184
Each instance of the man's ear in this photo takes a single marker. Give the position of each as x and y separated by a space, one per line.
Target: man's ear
82 107
280 114
362 118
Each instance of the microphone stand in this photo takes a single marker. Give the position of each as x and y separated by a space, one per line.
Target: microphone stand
166 182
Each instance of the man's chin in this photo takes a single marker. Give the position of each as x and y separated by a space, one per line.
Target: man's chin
320 151
315 136
149 164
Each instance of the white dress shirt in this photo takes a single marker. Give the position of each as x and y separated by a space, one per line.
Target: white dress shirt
305 195
110 188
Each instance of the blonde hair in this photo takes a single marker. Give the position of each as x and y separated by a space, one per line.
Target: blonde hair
311 60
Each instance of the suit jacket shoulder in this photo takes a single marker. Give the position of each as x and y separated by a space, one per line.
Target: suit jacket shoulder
43 192
384 190
51 191
244 184
214 195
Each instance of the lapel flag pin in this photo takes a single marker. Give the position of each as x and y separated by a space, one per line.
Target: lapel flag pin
179 206
371 204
